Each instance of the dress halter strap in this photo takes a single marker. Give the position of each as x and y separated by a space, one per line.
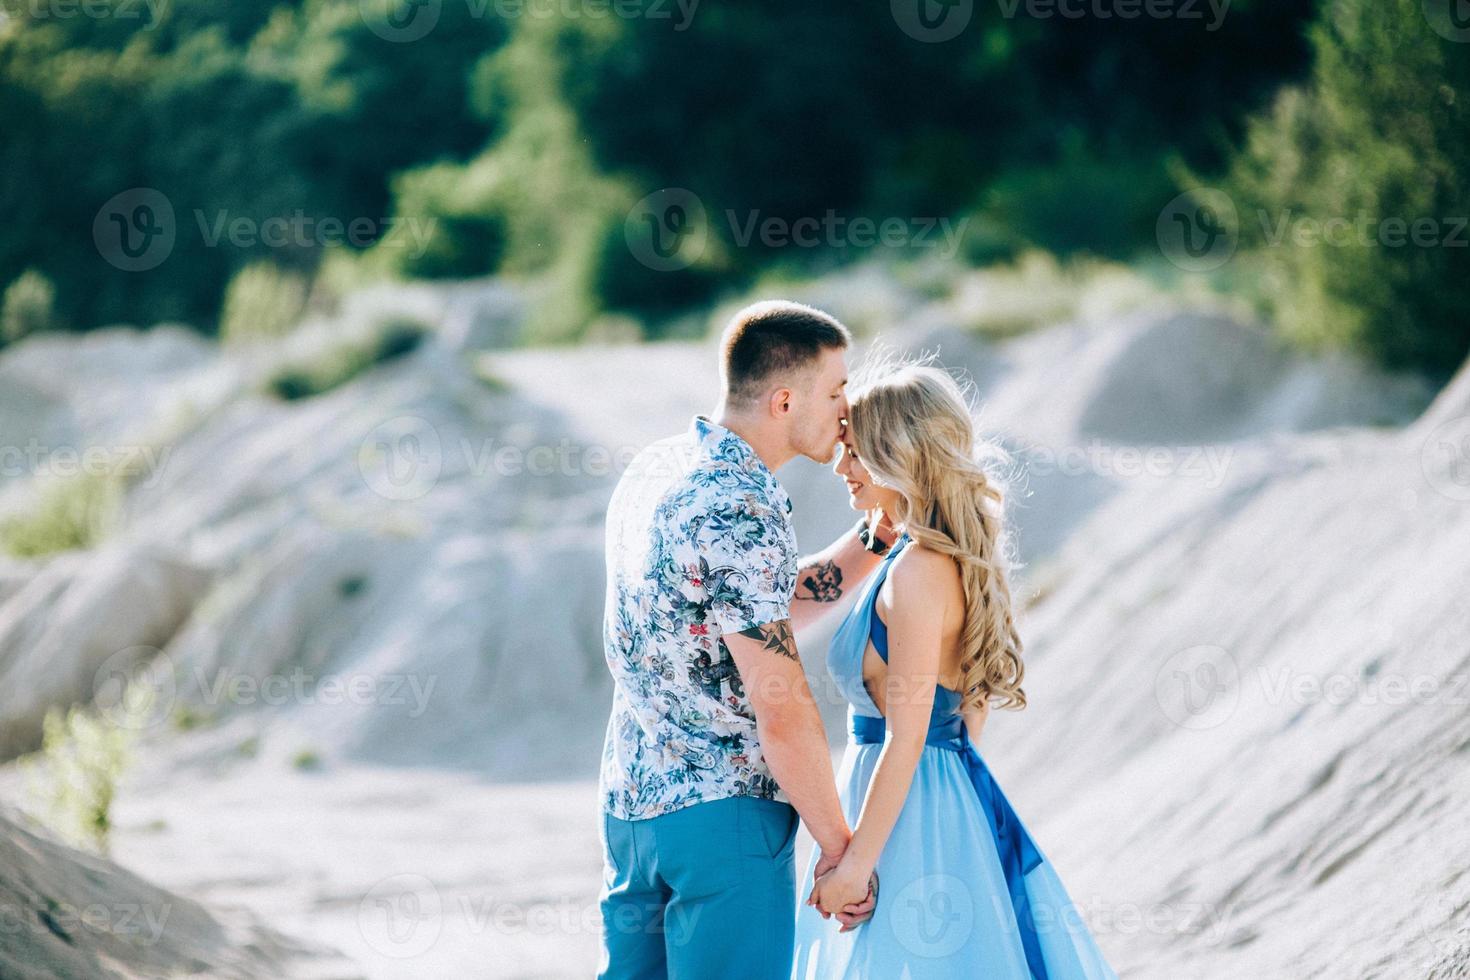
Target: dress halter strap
877 631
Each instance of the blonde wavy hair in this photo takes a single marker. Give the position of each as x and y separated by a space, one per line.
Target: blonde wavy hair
914 432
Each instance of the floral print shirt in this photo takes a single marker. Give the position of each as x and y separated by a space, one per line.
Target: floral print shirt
699 544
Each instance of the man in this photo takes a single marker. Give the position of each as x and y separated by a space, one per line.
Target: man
715 745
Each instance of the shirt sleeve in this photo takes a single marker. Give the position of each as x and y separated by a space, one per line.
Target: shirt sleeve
747 562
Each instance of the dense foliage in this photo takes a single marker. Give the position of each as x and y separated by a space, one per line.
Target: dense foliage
563 150
1355 190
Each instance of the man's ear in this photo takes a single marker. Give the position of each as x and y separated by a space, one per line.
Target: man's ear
780 403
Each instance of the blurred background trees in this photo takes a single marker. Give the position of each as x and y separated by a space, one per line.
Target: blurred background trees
1381 131
521 144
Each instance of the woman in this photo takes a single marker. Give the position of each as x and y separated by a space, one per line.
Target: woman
963 891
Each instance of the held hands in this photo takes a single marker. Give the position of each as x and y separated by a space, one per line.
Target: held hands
843 889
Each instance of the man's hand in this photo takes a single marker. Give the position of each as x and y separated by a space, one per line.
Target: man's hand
826 861
855 915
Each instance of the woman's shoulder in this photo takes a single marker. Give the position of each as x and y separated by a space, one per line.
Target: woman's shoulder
924 573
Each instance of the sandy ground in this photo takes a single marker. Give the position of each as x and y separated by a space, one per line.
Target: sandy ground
1236 562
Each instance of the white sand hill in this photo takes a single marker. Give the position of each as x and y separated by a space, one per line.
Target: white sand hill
68 913
379 610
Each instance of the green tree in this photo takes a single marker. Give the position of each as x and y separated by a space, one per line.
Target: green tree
1377 143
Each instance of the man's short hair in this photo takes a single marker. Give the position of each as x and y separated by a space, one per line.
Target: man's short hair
770 339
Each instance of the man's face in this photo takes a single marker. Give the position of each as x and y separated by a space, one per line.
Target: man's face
820 408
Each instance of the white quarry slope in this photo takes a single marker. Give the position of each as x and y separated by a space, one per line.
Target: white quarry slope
436 540
73 914
1248 730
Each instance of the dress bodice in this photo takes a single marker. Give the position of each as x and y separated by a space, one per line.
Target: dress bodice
850 642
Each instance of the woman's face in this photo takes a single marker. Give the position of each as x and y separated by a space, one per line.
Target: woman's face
862 493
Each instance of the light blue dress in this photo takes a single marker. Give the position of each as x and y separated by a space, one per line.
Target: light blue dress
963 889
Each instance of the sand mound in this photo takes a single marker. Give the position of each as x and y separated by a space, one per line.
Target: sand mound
69 914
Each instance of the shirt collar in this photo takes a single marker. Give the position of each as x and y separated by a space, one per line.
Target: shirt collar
715 442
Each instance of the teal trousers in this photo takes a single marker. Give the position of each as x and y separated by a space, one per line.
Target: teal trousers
703 893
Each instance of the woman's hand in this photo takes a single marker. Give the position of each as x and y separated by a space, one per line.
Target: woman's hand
847 884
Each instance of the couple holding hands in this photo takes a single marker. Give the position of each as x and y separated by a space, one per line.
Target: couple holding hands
715 748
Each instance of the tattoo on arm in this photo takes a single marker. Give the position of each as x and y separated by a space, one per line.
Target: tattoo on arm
775 637
823 580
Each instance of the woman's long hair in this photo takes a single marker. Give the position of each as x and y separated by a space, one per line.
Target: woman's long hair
914 432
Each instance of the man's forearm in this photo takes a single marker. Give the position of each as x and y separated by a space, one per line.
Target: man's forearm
802 765
824 578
